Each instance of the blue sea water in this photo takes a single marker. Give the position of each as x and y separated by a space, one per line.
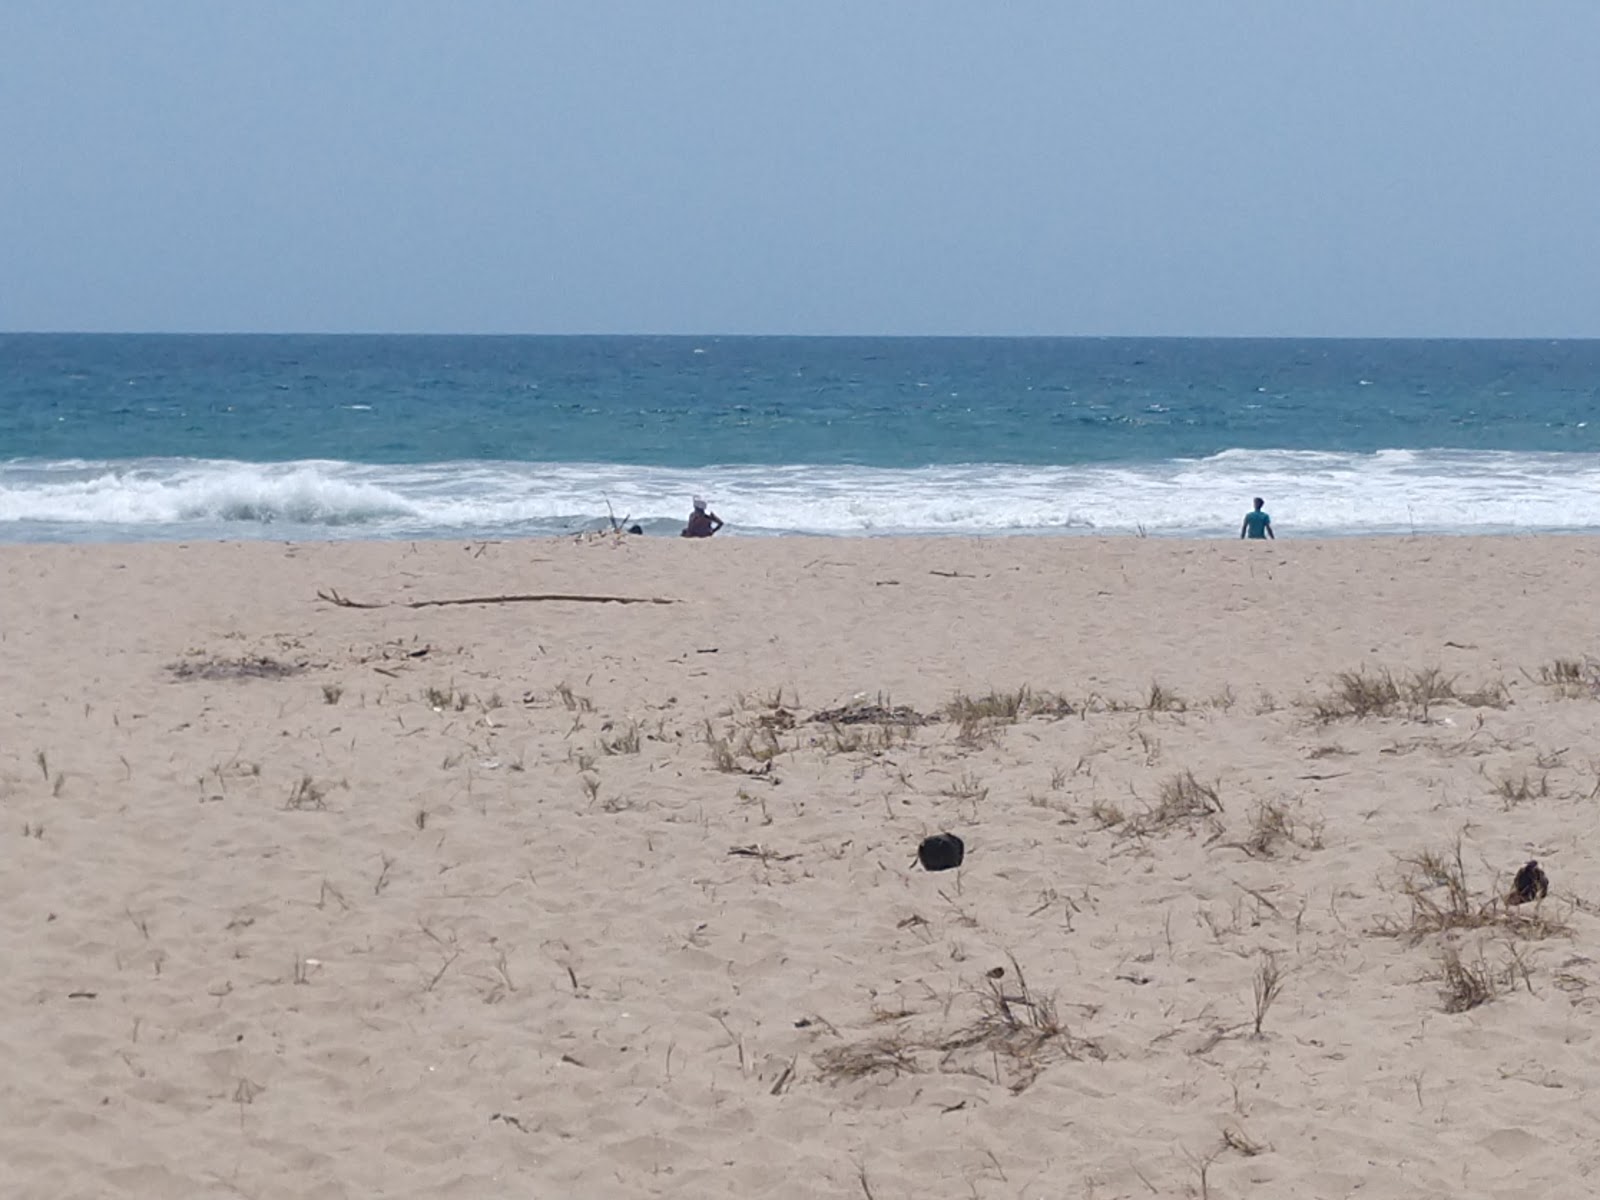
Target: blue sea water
117 437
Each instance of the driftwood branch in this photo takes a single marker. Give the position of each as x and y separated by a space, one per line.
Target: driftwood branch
540 596
333 597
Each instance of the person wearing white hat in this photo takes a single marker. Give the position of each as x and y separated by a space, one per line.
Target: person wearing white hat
702 522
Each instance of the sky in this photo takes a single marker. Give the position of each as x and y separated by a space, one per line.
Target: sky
1402 168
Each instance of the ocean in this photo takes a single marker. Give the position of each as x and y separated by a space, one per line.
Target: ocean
136 437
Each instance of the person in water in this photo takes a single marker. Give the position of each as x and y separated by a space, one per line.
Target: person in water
701 522
1257 524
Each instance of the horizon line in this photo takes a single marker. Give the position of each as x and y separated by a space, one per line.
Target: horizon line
991 337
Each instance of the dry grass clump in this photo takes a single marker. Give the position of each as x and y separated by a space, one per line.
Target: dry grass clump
772 702
1000 708
1268 984
978 718
890 1055
1014 1033
571 700
1436 885
1465 985
1486 695
1562 671
1181 800
1425 688
758 745
968 787
1184 796
776 718
1020 1026
871 739
722 755
307 796
843 739
1049 704
1163 699
975 716
1362 693
1107 813
1571 677
446 699
1273 825
1356 694
624 740
1270 825
1516 791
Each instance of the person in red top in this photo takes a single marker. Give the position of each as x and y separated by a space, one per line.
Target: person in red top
701 522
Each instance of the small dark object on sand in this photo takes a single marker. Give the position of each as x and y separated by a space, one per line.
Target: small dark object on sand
941 852
1530 884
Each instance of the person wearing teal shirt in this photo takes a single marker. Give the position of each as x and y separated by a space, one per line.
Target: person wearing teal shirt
1257 524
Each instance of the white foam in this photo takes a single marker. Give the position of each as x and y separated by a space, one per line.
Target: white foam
1307 492
188 491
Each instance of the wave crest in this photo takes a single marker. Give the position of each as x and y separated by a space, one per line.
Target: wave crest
192 491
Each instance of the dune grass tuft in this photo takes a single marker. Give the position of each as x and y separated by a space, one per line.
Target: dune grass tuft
624 739
307 796
1013 1033
977 717
1164 699
890 1055
1181 800
1268 984
1361 693
1465 985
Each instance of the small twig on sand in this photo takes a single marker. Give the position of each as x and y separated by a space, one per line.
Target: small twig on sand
332 597
439 974
761 852
783 1080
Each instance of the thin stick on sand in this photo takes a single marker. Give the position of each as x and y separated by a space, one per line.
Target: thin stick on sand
333 597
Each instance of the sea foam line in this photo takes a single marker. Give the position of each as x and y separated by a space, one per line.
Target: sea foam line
1307 492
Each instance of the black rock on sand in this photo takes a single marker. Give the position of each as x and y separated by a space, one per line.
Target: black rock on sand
941 852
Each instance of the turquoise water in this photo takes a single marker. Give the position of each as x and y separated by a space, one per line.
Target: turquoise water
117 437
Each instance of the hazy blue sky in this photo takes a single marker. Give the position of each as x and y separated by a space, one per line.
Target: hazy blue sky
802 166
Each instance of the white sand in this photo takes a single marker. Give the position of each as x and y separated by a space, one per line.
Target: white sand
263 944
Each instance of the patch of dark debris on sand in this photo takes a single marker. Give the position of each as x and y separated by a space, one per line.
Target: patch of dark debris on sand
862 712
259 666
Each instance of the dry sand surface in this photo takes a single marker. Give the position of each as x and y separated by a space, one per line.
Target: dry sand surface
553 898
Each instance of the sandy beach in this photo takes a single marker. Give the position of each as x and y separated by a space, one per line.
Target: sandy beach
561 897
